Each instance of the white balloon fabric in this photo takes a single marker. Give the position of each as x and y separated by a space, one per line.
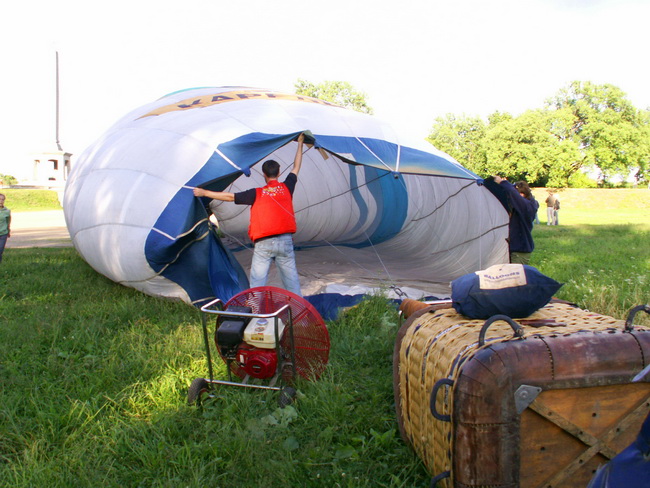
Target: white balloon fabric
371 208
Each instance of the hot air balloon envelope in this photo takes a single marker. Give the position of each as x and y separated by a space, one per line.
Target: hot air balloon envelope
372 208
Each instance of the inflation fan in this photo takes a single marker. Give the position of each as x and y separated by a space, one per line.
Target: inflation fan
267 337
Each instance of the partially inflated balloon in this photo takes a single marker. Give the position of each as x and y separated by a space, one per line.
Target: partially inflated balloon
371 208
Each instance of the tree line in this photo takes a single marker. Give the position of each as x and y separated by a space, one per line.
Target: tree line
584 128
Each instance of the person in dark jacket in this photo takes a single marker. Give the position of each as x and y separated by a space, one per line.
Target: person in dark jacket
522 208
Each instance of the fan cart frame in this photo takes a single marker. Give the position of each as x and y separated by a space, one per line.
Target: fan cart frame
202 386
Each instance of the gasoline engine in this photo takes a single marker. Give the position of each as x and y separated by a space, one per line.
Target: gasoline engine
250 342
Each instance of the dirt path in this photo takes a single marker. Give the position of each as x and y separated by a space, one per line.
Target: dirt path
38 229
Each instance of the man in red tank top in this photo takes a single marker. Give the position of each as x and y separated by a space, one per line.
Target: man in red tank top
272 222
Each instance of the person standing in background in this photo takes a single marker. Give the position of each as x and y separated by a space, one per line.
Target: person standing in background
556 209
5 224
550 208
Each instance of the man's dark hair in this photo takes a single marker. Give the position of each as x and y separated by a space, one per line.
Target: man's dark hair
271 168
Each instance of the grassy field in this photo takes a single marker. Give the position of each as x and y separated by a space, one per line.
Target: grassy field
94 385
604 268
94 377
23 200
600 250
598 206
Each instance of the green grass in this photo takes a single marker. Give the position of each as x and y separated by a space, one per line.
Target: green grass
94 380
604 268
19 200
599 250
94 377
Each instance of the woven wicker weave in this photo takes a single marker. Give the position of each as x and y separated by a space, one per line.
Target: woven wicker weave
435 345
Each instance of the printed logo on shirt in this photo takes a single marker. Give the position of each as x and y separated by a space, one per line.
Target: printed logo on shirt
273 191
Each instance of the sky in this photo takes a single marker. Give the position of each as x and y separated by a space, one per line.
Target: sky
415 60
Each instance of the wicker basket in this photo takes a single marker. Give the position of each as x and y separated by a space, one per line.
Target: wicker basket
431 351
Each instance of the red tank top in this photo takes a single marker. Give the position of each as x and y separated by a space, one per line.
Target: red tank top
272 212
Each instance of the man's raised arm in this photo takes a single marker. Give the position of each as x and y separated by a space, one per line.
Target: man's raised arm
297 161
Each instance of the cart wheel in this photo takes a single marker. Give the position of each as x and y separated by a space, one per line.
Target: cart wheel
287 396
197 388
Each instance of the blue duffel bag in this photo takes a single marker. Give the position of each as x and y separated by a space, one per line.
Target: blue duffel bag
515 290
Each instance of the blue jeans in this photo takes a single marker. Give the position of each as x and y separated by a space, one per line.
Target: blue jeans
3 241
280 250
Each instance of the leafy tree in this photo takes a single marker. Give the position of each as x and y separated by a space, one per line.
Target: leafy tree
533 147
339 92
537 146
462 138
498 117
610 132
581 180
7 180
